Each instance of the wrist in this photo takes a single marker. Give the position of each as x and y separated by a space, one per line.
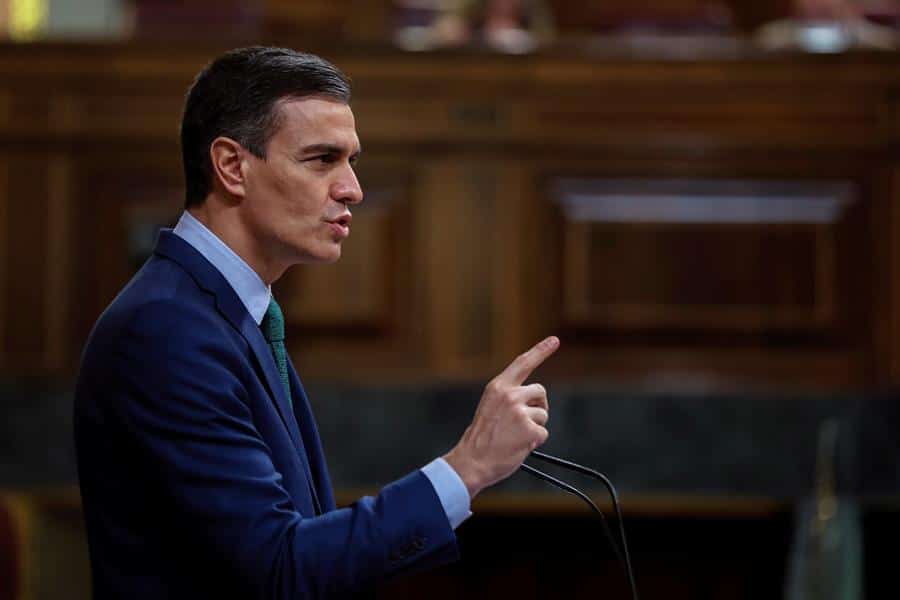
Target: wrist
468 472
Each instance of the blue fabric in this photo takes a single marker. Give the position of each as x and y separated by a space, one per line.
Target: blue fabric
256 296
450 489
196 478
246 283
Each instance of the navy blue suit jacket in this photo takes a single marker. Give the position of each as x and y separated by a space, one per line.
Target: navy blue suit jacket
199 480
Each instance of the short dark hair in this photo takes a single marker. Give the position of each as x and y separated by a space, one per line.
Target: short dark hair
237 95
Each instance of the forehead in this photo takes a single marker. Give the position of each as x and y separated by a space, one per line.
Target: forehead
316 120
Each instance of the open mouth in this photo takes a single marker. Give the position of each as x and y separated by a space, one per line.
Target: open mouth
341 226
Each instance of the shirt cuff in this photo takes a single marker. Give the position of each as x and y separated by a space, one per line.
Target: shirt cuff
450 489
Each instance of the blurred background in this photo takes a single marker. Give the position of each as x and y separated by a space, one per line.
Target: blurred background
698 196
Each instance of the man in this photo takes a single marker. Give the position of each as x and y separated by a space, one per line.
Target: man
201 468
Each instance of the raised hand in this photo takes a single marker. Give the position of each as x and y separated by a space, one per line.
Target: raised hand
508 424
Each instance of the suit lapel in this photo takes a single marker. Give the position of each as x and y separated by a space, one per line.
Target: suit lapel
210 279
310 435
254 337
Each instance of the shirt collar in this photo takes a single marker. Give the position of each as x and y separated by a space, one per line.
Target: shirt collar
247 284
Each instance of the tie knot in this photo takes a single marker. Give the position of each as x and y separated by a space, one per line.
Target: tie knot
272 325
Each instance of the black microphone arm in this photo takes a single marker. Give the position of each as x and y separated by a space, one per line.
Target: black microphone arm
572 466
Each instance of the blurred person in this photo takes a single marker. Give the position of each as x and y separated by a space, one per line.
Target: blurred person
513 26
826 26
201 469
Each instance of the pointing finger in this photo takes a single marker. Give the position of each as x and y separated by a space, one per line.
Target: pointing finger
519 369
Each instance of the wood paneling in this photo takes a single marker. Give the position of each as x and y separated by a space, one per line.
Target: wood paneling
122 199
28 192
5 254
359 291
889 313
58 271
728 256
460 257
367 313
35 270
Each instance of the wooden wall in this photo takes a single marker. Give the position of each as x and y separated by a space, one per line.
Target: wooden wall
504 201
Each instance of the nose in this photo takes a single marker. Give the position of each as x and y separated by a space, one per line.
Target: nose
346 189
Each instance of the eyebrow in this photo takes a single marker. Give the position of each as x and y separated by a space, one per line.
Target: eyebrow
327 149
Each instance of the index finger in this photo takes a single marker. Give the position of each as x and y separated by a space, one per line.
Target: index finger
519 369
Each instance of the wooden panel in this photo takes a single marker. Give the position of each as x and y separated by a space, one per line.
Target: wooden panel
366 313
725 257
697 114
468 263
25 110
323 17
461 226
683 343
36 237
739 278
114 113
357 291
409 119
514 275
5 255
6 100
123 198
59 266
27 249
891 306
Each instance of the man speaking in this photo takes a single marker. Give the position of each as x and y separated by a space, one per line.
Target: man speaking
201 470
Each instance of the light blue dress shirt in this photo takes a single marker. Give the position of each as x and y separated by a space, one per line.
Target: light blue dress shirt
256 295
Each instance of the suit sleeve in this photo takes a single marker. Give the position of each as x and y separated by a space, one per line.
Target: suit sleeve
180 396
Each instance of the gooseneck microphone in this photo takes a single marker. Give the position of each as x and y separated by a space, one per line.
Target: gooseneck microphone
622 555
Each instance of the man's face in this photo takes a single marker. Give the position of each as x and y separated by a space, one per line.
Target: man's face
297 199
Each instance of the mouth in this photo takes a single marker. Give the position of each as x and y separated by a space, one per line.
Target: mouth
341 225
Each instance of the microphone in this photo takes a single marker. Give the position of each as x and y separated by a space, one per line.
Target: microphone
622 555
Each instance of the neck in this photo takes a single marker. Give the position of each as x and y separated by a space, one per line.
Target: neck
224 220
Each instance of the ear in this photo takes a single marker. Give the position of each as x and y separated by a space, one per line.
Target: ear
227 157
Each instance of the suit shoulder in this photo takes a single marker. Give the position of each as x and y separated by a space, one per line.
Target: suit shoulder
162 302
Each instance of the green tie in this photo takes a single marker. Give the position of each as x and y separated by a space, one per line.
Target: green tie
273 330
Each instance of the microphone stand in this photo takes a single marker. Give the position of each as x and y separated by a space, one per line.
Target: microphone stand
566 464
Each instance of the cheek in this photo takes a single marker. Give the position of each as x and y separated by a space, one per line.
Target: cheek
300 198
291 199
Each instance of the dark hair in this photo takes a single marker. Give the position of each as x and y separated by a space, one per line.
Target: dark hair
237 96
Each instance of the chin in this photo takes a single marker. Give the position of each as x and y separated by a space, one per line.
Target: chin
324 257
